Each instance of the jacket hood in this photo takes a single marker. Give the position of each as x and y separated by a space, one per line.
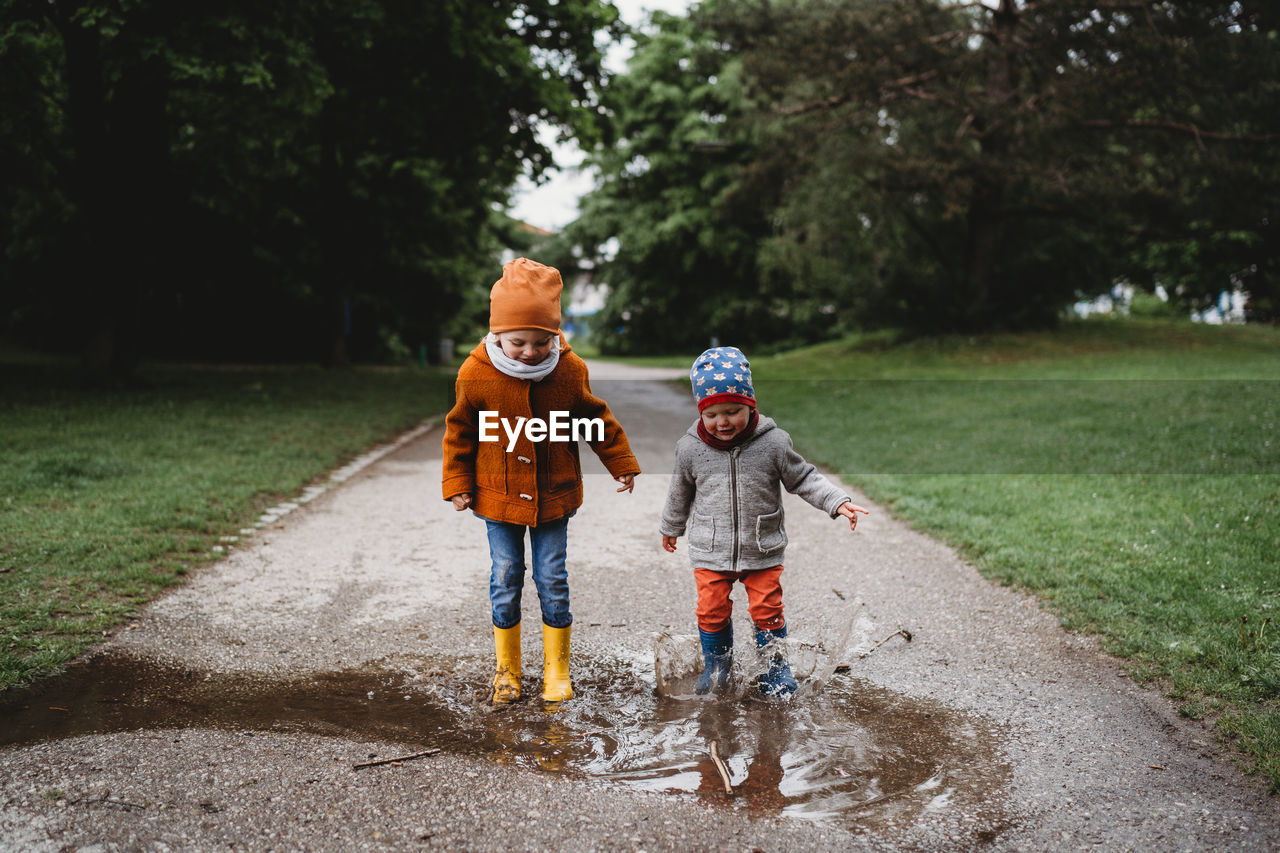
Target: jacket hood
763 425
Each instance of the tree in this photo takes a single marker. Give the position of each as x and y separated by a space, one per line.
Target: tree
666 227
1205 219
963 166
254 176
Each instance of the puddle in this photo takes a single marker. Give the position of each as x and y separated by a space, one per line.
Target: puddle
850 753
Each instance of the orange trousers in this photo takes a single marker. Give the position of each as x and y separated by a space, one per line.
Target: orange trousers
764 597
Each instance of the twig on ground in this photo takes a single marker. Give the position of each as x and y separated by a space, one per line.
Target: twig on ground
906 635
398 758
125 804
106 800
724 771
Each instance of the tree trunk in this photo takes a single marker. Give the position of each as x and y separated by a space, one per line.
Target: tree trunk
119 187
335 248
90 280
986 214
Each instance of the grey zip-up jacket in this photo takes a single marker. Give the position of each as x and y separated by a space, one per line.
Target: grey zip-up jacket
729 500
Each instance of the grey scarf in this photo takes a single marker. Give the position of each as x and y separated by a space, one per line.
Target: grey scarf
518 369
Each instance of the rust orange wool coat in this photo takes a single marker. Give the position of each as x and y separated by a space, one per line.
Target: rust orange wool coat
537 481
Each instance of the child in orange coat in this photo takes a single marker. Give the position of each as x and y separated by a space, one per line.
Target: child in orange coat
524 401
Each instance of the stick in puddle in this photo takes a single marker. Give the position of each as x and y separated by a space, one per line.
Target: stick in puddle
724 771
422 754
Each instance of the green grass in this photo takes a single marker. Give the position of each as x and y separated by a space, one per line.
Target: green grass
1127 473
110 496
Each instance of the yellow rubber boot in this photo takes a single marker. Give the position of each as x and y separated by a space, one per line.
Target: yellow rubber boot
506 678
556 686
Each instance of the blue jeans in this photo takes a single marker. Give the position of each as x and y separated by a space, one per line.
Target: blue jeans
550 575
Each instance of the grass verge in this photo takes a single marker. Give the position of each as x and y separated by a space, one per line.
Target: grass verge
112 495
1126 473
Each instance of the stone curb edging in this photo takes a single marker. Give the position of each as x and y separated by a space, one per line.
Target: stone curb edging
336 478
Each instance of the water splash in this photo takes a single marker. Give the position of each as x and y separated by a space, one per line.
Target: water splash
814 658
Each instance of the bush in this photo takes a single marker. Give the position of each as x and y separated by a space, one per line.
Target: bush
1150 305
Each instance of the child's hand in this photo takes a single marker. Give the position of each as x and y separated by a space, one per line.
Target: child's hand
461 502
628 482
850 511
669 543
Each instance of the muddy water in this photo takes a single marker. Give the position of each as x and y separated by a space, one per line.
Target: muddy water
849 753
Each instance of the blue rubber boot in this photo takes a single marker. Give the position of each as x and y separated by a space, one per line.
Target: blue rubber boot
777 680
717 659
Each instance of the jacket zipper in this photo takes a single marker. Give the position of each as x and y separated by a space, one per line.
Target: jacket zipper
733 503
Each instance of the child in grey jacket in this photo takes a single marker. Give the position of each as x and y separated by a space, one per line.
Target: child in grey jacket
725 494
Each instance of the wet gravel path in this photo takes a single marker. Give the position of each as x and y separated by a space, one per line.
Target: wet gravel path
232 712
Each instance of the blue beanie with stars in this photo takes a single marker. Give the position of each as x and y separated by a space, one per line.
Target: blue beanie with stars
722 375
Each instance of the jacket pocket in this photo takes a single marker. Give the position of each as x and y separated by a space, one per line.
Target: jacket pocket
491 468
702 533
564 471
770 534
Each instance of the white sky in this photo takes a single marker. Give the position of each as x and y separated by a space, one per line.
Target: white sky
554 203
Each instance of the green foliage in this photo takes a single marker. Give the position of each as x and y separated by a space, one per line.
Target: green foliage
1150 305
970 166
267 180
931 166
1205 220
667 227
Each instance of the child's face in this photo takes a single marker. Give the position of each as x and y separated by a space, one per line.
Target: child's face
530 346
726 420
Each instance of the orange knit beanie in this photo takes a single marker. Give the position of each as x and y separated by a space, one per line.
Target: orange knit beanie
526 297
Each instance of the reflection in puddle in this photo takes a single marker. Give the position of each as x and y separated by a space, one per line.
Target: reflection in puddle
849 753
